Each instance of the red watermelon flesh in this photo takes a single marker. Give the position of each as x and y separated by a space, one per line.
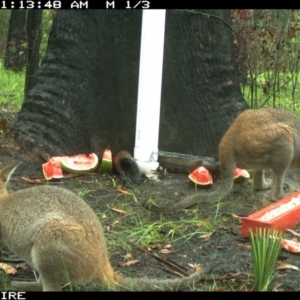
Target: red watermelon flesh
52 168
201 176
77 164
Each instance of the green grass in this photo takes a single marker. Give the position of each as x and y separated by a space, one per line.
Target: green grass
144 231
266 246
83 191
12 88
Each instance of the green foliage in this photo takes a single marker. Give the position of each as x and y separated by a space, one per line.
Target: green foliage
265 245
267 50
4 20
12 88
48 16
12 84
83 191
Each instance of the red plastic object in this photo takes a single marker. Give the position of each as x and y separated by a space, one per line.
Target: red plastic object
284 221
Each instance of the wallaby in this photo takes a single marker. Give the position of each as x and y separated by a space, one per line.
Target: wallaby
260 139
62 239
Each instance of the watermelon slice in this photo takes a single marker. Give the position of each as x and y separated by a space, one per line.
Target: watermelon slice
52 168
201 176
80 163
241 172
77 164
106 164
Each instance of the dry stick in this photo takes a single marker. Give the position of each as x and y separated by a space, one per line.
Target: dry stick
35 180
226 277
180 270
169 263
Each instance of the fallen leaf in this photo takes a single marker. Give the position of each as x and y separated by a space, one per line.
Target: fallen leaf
207 235
124 191
168 246
128 255
221 289
130 263
107 228
152 246
9 270
237 217
2 125
166 251
293 232
291 246
219 247
196 267
243 245
283 266
115 222
120 211
31 180
202 223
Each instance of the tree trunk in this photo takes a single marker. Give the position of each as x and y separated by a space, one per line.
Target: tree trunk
85 94
201 94
15 53
34 36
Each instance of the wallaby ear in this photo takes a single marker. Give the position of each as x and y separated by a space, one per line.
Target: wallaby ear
7 171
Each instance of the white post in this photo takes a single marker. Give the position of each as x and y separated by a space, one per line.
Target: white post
149 90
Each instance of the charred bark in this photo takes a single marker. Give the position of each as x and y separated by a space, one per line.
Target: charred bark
84 97
15 53
34 37
201 94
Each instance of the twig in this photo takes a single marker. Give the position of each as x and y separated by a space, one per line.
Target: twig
167 262
66 177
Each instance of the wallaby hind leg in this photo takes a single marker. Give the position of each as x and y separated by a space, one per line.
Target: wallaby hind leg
259 180
278 158
25 286
50 286
277 185
42 285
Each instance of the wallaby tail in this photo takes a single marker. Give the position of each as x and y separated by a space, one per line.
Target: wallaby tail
146 284
222 190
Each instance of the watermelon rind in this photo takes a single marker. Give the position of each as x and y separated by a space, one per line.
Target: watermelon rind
106 164
80 163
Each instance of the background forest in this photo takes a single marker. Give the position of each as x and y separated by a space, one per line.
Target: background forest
267 52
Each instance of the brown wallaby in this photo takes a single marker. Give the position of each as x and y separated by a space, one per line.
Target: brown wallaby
260 139
62 239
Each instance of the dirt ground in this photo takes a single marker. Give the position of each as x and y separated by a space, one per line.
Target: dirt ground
212 238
